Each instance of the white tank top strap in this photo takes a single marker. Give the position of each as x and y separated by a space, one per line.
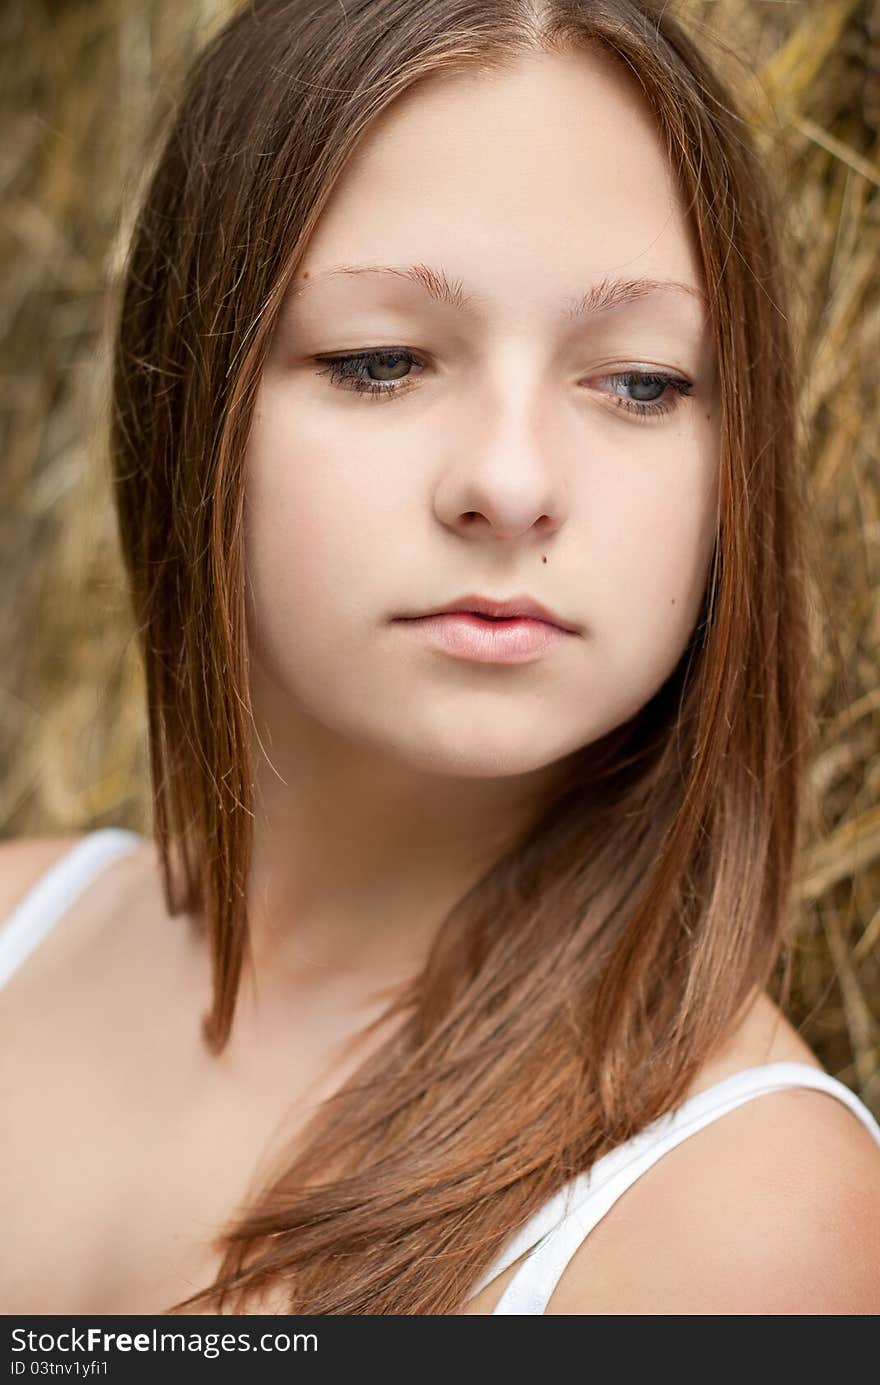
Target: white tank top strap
55 891
559 1227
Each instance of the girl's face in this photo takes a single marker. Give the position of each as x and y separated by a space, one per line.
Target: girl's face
520 438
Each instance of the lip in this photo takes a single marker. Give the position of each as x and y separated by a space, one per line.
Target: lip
523 606
465 635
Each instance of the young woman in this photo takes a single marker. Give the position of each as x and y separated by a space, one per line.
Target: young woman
452 440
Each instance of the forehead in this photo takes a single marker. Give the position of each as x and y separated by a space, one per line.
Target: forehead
541 179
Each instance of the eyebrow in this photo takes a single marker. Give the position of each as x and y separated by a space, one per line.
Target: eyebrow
610 292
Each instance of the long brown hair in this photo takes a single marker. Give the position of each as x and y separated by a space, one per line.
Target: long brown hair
575 991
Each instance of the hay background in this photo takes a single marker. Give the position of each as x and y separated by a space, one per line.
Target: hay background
81 81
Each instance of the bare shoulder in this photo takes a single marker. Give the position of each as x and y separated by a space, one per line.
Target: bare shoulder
55 959
107 937
79 1021
23 860
773 1208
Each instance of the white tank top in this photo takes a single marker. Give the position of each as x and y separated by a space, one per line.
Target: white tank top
556 1230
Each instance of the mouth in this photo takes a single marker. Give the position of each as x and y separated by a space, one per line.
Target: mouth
486 639
490 611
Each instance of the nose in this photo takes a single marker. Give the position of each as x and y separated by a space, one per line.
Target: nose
506 477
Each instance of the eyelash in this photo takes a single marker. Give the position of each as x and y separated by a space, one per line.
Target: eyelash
342 376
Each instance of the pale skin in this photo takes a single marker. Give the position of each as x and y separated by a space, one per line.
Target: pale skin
506 465
389 774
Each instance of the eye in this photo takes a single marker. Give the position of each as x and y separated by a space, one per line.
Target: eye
387 373
655 392
378 374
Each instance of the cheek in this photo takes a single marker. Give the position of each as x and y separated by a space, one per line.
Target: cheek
650 557
665 542
318 512
310 519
